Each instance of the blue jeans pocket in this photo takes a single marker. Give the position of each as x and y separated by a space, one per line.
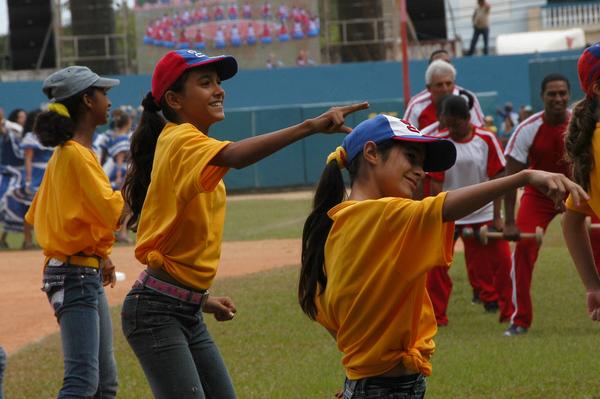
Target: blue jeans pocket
54 287
129 315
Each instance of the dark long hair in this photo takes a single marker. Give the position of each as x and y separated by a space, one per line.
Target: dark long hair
30 121
143 147
578 140
14 114
330 192
53 129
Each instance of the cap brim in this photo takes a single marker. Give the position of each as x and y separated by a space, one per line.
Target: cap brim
440 154
106 82
225 65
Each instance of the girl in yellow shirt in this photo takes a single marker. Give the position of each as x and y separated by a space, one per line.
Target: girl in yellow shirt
175 191
365 258
75 213
582 146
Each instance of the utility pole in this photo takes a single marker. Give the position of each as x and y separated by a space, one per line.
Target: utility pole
57 25
404 44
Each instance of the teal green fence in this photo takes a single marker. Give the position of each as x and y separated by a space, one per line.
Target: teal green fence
301 163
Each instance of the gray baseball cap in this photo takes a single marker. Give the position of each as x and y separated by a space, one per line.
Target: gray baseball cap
72 80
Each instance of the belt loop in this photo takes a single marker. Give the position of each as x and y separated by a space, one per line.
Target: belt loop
204 299
145 276
349 388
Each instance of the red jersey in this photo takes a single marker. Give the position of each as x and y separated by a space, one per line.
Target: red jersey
421 102
539 145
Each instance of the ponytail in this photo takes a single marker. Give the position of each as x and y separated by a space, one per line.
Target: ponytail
578 140
143 145
468 96
330 192
53 129
57 125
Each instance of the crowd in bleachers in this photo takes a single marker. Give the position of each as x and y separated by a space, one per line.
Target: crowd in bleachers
23 161
220 26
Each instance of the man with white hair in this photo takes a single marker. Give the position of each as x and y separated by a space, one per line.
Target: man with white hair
440 78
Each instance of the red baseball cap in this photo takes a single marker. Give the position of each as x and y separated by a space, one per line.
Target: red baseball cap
170 67
588 68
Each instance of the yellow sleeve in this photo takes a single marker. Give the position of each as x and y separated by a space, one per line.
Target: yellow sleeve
30 215
584 207
189 164
591 206
418 229
101 205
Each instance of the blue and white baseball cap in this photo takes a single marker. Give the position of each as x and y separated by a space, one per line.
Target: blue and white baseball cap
440 154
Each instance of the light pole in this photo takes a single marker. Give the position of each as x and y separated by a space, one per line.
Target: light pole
404 44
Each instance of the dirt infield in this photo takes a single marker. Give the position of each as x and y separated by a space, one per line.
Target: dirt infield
25 315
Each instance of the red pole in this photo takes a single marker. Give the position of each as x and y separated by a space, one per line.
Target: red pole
404 43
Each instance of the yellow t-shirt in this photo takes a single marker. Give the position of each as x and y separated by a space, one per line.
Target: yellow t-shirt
377 256
181 224
75 210
592 206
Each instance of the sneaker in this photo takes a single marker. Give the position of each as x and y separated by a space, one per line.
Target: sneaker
491 307
475 300
514 330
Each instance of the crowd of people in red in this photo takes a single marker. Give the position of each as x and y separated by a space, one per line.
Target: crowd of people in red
220 25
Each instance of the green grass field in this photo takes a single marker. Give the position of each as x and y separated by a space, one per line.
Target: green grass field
273 351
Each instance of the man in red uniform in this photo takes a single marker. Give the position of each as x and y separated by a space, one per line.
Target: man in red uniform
479 158
440 79
537 143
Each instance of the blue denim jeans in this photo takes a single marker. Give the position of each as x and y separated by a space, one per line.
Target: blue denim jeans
174 347
2 368
405 387
79 303
485 32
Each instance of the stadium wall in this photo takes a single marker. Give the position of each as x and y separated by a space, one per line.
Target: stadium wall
259 101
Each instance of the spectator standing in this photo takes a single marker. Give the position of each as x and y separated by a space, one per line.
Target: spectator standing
481 26
510 119
525 112
16 202
12 160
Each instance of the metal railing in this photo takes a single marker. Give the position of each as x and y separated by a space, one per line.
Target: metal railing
364 31
114 47
567 15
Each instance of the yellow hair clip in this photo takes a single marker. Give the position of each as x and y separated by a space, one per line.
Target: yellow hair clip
340 157
59 109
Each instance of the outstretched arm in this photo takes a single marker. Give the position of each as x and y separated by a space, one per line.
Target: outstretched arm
580 248
251 150
461 202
